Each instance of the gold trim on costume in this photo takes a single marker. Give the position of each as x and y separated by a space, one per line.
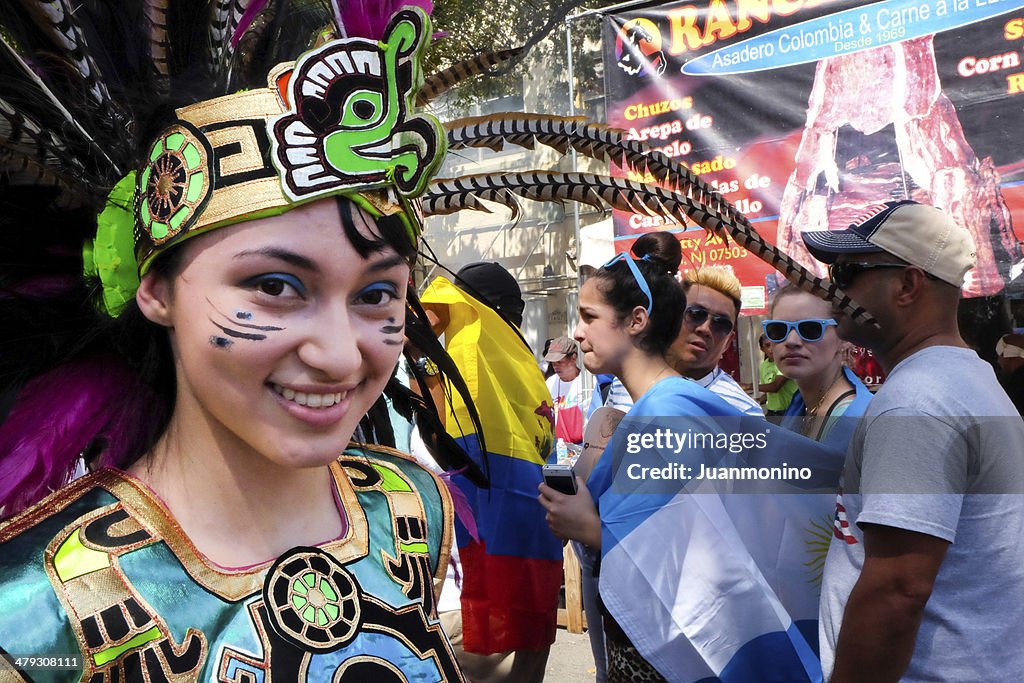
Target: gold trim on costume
447 510
9 673
233 585
51 505
87 596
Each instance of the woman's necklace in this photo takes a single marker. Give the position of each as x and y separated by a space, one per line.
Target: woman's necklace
813 412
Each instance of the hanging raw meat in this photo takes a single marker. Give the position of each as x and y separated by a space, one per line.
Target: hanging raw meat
880 128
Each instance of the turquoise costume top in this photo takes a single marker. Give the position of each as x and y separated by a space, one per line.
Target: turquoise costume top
102 570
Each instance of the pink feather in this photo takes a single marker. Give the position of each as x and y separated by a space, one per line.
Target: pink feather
369 18
248 16
57 416
463 510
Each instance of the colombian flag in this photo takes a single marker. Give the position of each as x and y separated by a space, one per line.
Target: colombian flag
512 576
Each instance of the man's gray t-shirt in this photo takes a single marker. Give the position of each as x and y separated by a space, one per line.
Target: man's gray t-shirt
939 428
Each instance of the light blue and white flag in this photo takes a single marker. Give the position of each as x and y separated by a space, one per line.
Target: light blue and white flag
715 578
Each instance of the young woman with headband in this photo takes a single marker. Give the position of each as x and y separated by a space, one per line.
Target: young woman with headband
251 276
631 311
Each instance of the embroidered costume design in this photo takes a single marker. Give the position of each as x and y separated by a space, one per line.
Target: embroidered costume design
349 124
175 186
123 585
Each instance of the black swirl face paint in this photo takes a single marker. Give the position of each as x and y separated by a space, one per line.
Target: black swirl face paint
232 331
393 328
251 336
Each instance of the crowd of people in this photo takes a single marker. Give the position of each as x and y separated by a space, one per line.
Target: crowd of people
204 469
930 461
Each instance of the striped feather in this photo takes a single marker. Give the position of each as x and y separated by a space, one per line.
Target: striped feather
56 20
592 140
19 131
159 46
449 195
225 16
17 164
442 81
56 105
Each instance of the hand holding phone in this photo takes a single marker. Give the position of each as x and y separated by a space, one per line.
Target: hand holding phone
561 478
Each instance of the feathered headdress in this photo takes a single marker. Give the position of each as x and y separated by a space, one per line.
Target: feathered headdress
340 120
275 103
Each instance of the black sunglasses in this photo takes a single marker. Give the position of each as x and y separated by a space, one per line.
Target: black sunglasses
696 315
843 274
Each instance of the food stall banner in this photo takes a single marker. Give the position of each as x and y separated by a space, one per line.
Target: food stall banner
806 114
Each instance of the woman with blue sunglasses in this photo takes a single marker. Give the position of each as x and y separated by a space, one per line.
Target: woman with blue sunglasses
808 350
631 311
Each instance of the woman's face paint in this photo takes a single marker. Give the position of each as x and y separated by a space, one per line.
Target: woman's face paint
240 330
394 332
220 342
314 332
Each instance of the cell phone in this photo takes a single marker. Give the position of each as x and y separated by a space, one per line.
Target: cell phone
561 478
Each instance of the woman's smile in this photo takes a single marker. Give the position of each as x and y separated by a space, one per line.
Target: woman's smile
307 325
314 409
309 399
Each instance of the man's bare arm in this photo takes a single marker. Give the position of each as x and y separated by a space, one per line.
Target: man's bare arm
884 611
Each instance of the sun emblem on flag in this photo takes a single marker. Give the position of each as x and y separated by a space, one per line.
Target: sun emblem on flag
819 537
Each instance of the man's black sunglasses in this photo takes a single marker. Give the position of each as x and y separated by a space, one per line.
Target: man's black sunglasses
843 274
696 315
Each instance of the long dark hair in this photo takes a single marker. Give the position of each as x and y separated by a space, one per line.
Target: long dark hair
73 381
657 261
76 382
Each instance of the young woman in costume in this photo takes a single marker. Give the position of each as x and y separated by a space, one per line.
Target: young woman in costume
807 349
253 274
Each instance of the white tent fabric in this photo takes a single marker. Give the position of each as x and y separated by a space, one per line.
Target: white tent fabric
597 243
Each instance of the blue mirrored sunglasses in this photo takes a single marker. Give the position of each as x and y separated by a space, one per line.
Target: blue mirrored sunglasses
810 330
637 275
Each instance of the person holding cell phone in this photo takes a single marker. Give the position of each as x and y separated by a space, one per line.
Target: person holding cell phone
807 349
631 311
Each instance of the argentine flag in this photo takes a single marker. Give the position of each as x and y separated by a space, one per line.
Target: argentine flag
715 579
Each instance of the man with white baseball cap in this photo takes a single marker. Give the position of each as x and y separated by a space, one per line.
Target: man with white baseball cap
1010 356
924 579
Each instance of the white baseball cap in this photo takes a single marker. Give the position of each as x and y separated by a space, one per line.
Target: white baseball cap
919 234
1008 349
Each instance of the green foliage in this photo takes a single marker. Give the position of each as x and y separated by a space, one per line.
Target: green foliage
474 26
